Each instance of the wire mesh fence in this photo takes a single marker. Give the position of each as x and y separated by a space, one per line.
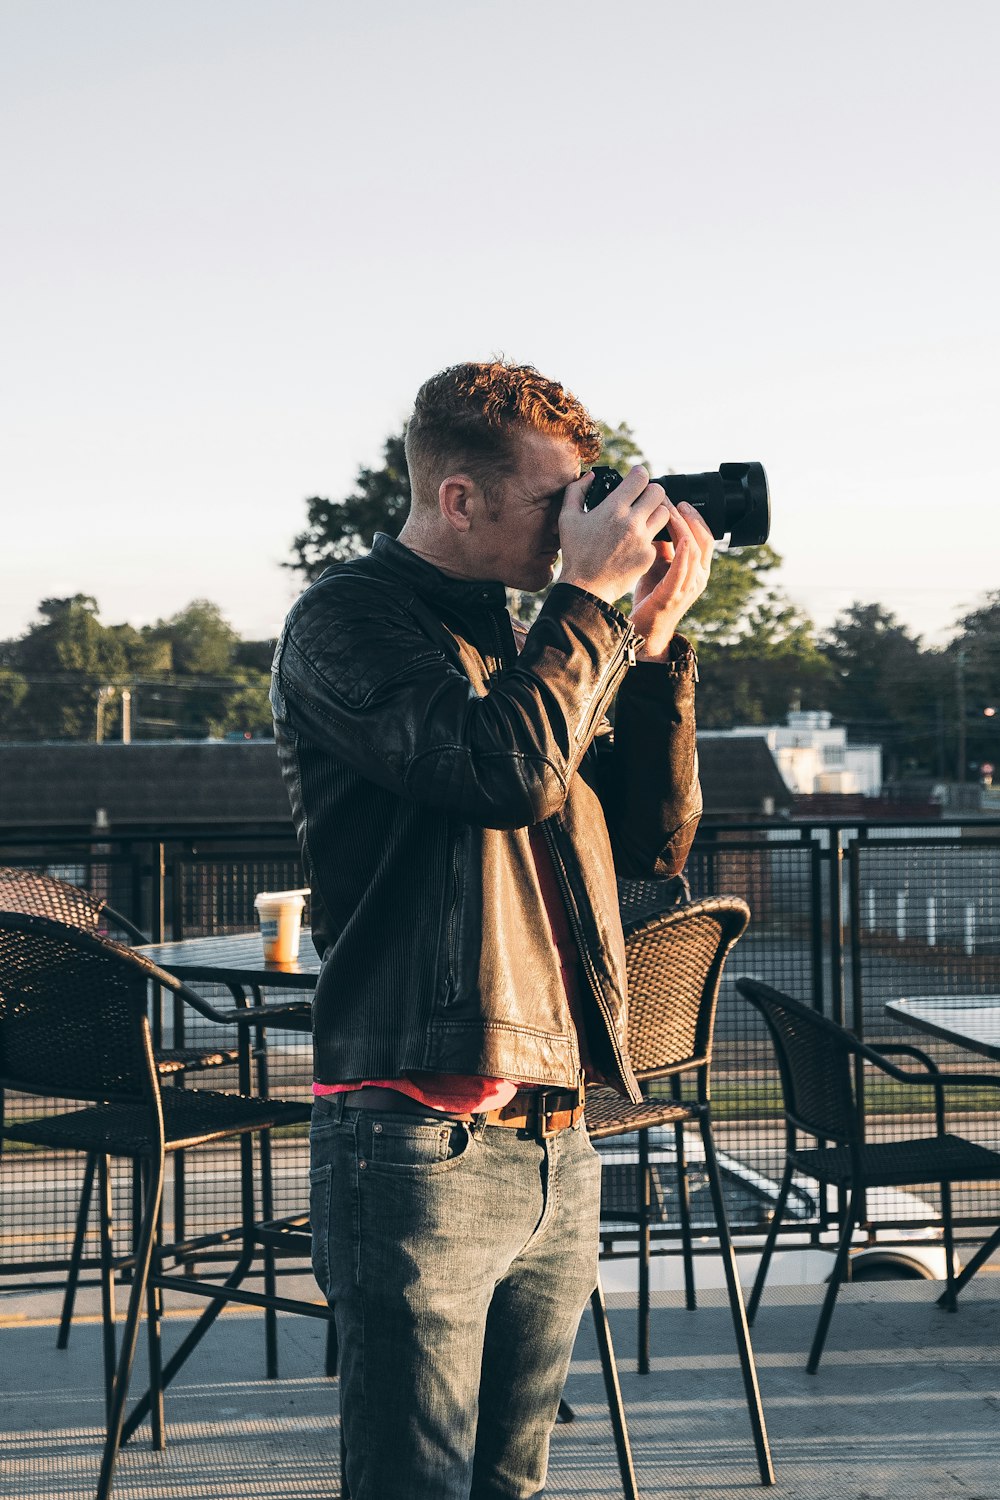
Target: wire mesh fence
846 919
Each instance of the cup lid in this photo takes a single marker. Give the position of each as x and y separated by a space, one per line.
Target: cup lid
267 897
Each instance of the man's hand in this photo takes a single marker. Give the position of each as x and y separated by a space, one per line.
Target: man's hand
667 590
608 549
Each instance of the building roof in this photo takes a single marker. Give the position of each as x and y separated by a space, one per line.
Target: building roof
740 777
141 784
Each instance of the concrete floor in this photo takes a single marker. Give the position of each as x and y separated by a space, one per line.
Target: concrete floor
906 1405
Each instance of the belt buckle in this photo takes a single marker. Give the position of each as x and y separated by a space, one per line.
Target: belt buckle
543 1132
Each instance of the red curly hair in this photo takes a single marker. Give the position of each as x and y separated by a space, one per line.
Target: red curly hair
468 417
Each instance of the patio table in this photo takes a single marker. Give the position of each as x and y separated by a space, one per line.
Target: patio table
969 1021
237 961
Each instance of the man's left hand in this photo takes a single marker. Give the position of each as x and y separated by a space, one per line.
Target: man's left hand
679 576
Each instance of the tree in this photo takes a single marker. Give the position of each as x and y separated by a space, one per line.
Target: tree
64 658
886 688
620 450
205 689
758 652
338 529
13 691
189 676
199 641
971 669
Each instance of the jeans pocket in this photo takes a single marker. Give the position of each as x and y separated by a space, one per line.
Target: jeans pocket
320 1192
407 1145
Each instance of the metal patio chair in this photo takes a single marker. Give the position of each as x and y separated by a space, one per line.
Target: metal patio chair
818 1061
674 962
74 1027
40 895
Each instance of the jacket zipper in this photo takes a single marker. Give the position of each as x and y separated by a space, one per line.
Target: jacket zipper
588 964
450 987
498 654
624 658
620 663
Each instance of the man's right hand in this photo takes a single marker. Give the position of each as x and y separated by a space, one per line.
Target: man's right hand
607 550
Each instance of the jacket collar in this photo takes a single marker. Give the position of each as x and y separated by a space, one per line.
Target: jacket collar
429 581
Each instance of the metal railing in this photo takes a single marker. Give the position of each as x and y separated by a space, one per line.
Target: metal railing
846 917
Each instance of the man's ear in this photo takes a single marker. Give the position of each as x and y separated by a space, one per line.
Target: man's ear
458 497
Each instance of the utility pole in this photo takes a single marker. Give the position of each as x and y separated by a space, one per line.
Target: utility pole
104 696
960 694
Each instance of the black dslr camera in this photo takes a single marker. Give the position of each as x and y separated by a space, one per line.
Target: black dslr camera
735 500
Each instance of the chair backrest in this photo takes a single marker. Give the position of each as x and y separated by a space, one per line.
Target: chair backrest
72 1013
43 896
674 962
814 1060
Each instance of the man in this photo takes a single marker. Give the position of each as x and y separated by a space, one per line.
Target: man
462 808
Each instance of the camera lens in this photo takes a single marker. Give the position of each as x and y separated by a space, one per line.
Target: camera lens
734 501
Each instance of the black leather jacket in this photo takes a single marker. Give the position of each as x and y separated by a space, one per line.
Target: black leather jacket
418 747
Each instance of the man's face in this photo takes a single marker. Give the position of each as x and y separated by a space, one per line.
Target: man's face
517 539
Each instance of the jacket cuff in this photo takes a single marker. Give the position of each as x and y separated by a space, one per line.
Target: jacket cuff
682 662
562 593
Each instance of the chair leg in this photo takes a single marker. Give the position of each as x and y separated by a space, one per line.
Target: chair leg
266 1199
769 1243
613 1388
948 1301
270 1284
969 1270
76 1256
130 1335
684 1209
736 1307
154 1315
644 1183
239 1272
106 1209
833 1286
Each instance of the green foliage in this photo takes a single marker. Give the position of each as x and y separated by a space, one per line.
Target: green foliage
971 672
620 451
338 529
198 641
63 658
189 676
758 653
886 688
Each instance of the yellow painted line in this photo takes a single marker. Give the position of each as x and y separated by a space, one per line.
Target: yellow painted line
174 1314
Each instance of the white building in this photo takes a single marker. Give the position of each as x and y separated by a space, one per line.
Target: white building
812 756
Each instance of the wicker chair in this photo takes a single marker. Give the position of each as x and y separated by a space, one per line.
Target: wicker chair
43 896
817 1061
675 961
74 1026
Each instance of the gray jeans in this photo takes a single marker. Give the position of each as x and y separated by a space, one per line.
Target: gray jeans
458 1259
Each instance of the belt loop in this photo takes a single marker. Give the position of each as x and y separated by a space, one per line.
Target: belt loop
477 1126
337 1101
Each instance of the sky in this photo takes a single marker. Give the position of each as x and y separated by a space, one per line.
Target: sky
237 235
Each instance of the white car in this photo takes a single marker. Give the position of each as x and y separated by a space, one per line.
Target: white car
896 1254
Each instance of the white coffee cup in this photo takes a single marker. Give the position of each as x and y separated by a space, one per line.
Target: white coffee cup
280 916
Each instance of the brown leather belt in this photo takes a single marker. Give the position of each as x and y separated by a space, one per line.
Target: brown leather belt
543 1112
